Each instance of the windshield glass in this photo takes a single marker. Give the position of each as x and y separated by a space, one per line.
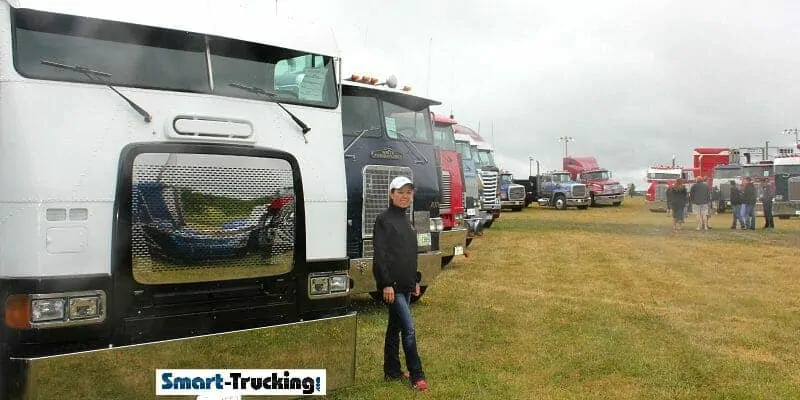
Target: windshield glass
757 170
560 178
727 173
164 59
464 150
486 157
478 162
443 137
415 125
787 169
359 113
597 175
663 175
507 178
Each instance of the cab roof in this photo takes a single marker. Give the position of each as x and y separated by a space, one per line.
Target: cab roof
402 98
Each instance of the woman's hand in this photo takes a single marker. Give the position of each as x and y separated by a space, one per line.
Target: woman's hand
388 295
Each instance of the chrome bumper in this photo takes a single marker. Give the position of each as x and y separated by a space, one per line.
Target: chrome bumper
784 208
450 240
129 372
428 264
608 199
574 202
512 203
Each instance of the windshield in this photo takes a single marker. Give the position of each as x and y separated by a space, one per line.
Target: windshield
464 150
443 137
597 175
359 113
757 171
560 178
727 173
486 157
164 59
663 175
478 162
506 178
400 121
787 169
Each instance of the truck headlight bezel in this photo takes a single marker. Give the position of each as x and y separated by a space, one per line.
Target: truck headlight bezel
323 285
55 310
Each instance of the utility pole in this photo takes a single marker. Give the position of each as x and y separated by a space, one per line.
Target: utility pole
566 140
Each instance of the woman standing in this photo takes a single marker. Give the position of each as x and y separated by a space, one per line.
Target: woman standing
676 197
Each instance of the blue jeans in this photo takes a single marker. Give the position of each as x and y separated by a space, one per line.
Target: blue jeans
737 215
401 324
749 216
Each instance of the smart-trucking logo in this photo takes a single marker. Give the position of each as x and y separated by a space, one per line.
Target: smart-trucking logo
239 382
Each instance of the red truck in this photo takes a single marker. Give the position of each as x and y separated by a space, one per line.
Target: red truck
659 179
706 158
453 240
602 188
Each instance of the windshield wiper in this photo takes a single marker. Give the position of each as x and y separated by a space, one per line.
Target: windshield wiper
409 142
270 95
95 75
360 135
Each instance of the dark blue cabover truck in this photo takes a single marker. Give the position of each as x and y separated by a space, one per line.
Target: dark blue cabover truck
387 133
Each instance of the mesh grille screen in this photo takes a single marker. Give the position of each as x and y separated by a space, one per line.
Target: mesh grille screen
199 217
794 188
661 192
376 192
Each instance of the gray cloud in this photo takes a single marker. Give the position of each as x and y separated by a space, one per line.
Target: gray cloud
634 82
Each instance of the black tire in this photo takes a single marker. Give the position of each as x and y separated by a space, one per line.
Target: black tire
583 207
784 216
469 241
617 204
488 224
422 290
591 200
446 260
516 209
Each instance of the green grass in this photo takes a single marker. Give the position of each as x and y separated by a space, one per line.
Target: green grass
604 303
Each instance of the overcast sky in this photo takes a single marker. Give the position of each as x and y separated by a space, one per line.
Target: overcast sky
633 82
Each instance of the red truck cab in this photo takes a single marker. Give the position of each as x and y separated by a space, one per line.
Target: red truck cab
452 241
602 188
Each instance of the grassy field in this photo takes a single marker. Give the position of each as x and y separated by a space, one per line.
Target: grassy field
604 303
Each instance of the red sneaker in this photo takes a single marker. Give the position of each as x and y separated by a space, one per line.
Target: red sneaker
420 385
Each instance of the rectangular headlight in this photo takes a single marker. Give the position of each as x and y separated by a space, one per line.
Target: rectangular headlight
45 310
328 284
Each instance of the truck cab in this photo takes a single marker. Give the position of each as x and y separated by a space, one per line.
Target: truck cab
388 132
512 195
659 179
557 189
173 213
787 187
472 184
721 176
603 189
453 239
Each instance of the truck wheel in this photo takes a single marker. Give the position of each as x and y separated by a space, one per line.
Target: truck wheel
446 260
617 204
591 200
560 202
517 209
488 224
422 290
582 207
783 216
469 241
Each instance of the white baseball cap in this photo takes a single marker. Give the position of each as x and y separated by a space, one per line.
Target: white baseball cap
399 182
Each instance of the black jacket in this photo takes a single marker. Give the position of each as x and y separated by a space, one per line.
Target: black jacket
750 194
736 196
700 193
395 246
